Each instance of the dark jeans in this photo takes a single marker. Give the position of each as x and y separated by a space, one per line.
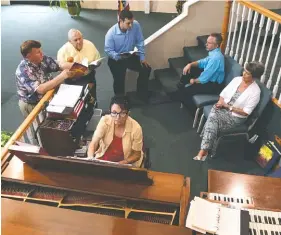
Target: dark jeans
84 80
186 93
118 69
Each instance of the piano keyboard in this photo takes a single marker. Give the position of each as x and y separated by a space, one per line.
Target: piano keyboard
265 217
229 199
264 229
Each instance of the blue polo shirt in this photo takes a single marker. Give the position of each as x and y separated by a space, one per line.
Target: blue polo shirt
213 66
117 42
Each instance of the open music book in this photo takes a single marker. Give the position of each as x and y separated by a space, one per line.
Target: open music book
129 53
208 217
85 67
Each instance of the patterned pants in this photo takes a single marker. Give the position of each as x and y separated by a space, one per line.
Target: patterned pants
218 120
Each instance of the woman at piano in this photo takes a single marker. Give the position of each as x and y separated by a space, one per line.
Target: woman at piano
118 137
237 101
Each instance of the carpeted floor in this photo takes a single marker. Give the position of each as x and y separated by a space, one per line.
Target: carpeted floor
167 128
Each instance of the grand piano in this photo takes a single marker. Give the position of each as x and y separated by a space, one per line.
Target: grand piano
96 188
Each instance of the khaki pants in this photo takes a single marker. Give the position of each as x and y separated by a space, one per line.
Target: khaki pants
26 109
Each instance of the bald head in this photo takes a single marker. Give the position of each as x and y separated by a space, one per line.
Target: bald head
75 37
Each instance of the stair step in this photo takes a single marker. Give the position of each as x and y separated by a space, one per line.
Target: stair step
168 78
177 64
194 53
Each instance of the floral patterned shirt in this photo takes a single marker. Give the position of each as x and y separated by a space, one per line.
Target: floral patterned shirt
29 76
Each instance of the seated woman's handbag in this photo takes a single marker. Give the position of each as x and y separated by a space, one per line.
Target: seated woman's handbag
268 156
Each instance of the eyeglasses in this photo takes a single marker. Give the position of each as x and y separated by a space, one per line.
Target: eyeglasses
121 114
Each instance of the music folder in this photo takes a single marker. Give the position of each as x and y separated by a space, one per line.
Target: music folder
208 217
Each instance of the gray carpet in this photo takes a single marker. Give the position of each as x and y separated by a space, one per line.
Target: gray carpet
167 128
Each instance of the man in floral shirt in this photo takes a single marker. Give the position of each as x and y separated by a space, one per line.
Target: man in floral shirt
34 79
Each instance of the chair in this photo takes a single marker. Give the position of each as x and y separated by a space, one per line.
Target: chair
146 162
245 128
232 70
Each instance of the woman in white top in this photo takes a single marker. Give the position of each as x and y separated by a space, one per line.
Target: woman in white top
237 101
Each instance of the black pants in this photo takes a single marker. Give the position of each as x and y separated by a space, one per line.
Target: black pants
84 80
118 70
186 93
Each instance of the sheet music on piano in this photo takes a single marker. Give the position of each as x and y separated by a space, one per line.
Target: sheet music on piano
208 217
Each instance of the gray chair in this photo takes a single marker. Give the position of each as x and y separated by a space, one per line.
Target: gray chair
232 70
245 128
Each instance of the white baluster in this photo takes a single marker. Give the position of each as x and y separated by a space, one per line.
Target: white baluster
235 29
252 35
230 28
259 35
275 89
274 31
240 32
268 24
250 13
268 85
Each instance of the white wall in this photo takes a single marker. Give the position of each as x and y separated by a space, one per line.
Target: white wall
135 5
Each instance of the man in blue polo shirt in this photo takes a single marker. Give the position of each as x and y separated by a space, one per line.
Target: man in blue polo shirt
210 80
121 38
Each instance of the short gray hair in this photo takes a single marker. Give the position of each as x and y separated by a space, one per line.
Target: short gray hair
255 68
71 32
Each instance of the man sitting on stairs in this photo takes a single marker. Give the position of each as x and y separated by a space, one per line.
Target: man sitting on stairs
210 80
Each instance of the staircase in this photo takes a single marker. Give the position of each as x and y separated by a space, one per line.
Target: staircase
169 77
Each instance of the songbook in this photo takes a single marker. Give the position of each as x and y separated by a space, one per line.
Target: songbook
208 217
84 67
129 53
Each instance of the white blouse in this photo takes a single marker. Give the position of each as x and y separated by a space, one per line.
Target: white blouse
247 101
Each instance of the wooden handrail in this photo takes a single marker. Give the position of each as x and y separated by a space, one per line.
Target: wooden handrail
227 7
25 124
261 10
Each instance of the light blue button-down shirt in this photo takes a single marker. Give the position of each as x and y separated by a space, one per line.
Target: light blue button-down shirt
213 66
117 42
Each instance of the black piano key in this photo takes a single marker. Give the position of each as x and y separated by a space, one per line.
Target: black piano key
259 219
255 232
261 232
238 200
265 219
269 219
248 202
266 233
228 199
215 198
242 201
279 219
256 219
219 198
276 233
272 233
224 199
232 199
273 220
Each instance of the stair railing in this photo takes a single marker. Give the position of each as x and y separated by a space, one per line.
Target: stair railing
242 19
31 121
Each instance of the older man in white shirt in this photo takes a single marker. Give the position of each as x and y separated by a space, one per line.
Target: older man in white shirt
78 49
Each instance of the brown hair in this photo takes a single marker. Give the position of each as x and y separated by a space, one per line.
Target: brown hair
218 38
255 68
27 46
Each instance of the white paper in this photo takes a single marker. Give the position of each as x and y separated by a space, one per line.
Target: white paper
190 215
67 96
96 62
55 109
85 62
225 227
130 52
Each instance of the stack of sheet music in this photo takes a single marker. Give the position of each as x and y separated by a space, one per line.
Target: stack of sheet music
208 217
67 101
